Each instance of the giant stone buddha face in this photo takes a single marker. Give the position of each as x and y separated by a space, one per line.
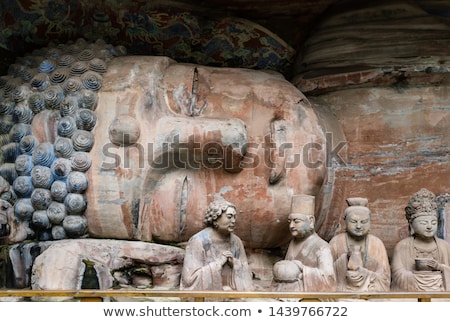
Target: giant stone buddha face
192 132
138 146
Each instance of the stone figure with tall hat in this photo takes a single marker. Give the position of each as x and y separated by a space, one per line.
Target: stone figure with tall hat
308 263
421 261
360 259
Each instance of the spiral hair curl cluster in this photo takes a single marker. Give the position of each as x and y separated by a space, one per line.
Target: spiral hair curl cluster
215 209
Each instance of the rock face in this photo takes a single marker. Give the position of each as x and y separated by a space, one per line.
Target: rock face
95 143
100 144
391 102
375 43
392 150
63 264
171 136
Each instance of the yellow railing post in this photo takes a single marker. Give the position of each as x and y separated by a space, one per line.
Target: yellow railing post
424 299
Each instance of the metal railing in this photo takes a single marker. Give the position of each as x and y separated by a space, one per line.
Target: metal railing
200 296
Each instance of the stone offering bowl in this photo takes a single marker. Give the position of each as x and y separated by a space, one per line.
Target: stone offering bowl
286 271
421 264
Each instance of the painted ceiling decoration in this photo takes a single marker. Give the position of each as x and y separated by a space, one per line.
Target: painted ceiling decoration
177 32
256 34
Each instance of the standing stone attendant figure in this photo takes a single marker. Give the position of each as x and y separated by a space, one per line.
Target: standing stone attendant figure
421 262
360 259
215 257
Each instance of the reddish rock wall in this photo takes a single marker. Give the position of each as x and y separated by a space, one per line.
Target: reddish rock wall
382 69
397 142
241 134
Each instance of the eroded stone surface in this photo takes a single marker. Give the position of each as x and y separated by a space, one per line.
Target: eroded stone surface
62 264
203 131
396 141
375 43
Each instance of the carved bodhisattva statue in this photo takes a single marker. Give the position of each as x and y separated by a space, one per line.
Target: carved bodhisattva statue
421 262
360 259
215 257
308 264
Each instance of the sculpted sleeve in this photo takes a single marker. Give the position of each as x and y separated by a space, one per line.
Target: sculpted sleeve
321 278
379 271
198 272
402 267
241 274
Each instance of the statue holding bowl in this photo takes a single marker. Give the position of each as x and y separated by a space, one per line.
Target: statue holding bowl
421 262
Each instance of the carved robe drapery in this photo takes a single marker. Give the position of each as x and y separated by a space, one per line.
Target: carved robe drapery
318 274
374 276
201 270
404 276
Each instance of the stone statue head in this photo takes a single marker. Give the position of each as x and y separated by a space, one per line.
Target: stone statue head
301 219
357 218
153 140
421 213
215 210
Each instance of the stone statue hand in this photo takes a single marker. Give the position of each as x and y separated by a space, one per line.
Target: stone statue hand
227 258
352 266
356 277
434 265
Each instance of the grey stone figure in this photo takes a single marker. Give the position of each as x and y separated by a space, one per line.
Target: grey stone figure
215 257
421 262
308 263
360 258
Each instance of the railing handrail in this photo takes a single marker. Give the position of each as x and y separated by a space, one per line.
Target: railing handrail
202 295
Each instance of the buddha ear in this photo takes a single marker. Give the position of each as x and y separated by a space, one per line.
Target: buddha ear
411 230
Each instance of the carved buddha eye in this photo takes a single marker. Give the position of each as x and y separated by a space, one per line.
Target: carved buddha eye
426 222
